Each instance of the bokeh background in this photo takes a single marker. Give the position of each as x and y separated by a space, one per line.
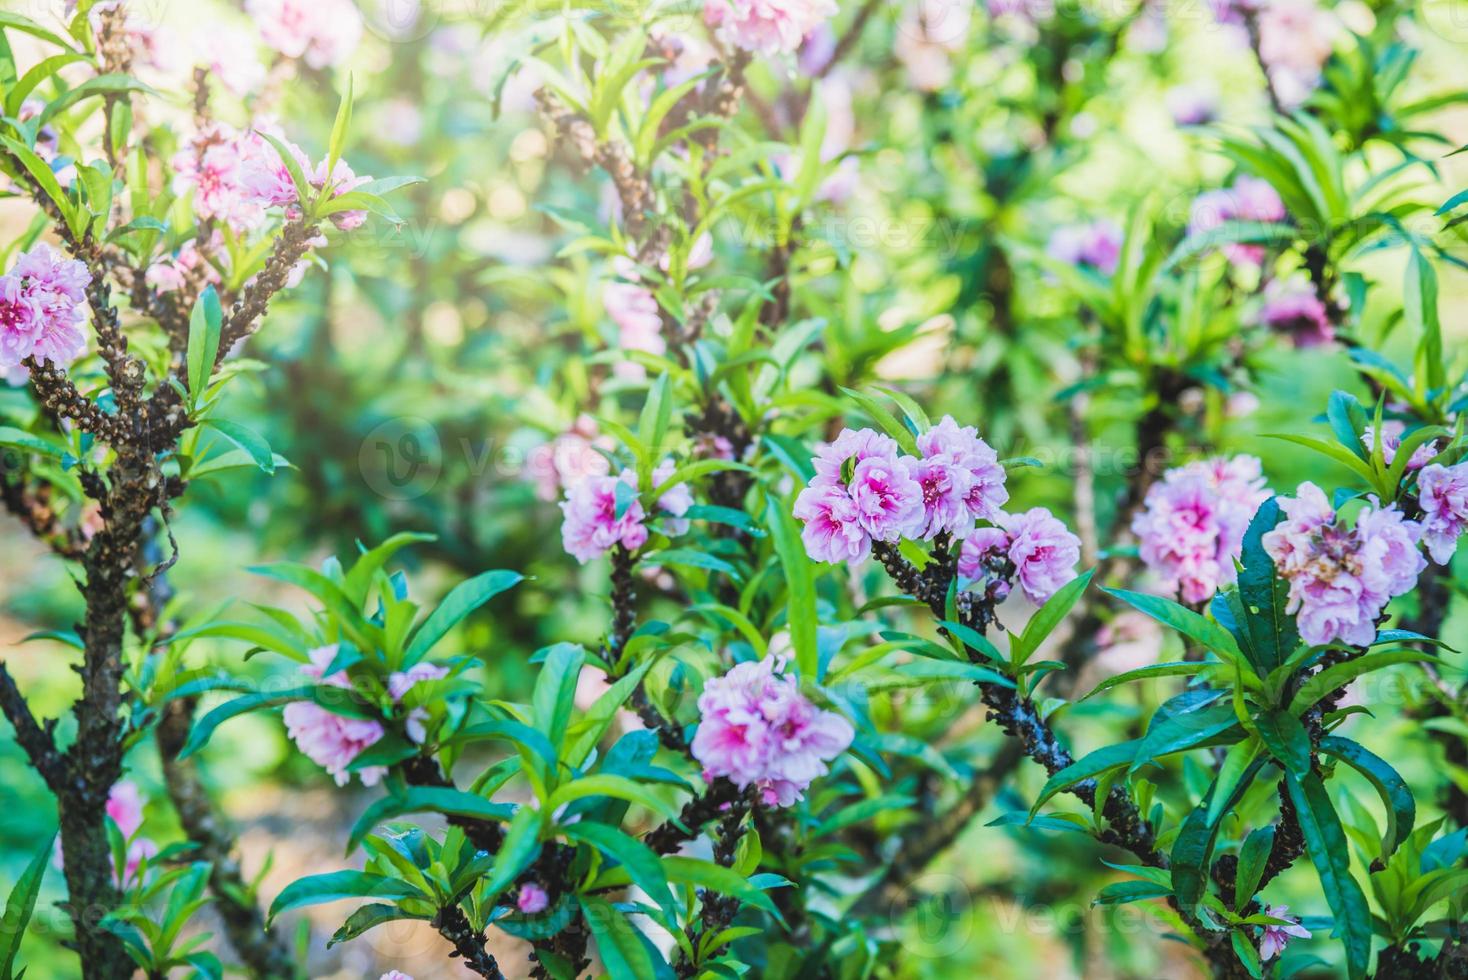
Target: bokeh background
417 382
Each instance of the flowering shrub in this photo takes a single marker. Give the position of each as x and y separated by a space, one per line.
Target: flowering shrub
1112 535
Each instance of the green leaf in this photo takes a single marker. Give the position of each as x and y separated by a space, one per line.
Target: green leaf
706 874
1231 773
618 943
1089 766
459 603
251 442
1048 616
1286 740
1339 675
205 322
1192 852
337 885
339 128
1271 631
368 917
45 179
204 727
27 26
618 787
25 442
432 799
1192 625
799 587
885 420
644 867
1253 857
101 85
359 580
521 844
1401 808
1330 852
555 690
1173 669
20 905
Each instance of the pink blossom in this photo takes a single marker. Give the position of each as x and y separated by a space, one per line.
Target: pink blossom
960 476
125 807
1097 244
1295 39
42 302
1292 308
983 561
1277 937
1442 492
1191 527
757 728
591 526
1192 105
569 458
1250 199
1044 552
210 166
1391 440
394 975
889 502
322 32
927 37
172 274
634 310
342 181
400 682
264 177
852 445
329 740
832 533
768 27
1342 578
532 899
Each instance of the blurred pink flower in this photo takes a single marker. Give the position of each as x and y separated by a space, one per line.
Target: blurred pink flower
634 310
757 728
1292 308
1391 440
322 32
1097 245
1295 40
591 526
1250 199
532 899
1191 527
768 27
569 458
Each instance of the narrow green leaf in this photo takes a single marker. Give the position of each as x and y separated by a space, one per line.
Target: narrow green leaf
337 885
1329 850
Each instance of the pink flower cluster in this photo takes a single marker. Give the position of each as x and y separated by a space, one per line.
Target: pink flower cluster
1295 40
41 309
189 265
1038 545
1097 245
1192 524
1292 308
767 26
332 741
864 490
1342 578
1250 199
569 458
756 728
323 33
1442 493
236 177
124 808
591 526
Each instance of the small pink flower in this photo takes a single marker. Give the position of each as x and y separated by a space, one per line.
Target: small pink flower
1097 245
329 740
1292 308
322 32
852 445
1391 440
676 502
1250 199
757 728
1191 527
591 526
768 27
125 807
1044 552
889 502
342 181
1442 492
42 307
1277 937
532 899
400 682
1295 40
569 458
634 309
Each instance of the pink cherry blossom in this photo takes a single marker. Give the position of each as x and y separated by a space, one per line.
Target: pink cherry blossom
634 309
1295 39
532 899
1044 552
757 728
400 682
1191 527
972 470
1277 937
1442 492
852 445
125 807
1250 199
1097 244
569 458
42 307
676 502
1192 105
323 33
342 181
332 741
889 502
1292 308
591 526
1392 431
768 27
1342 578
983 562
172 274
832 533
